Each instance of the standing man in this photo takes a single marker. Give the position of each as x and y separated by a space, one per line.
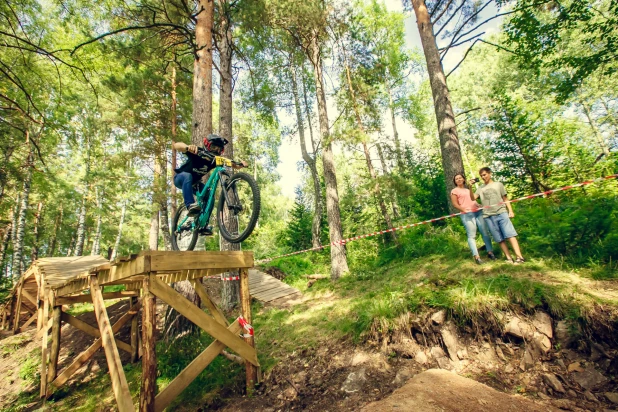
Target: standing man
496 216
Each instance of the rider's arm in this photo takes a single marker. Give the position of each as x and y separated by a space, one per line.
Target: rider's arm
184 148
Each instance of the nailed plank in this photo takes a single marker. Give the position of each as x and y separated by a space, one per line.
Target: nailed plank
91 330
149 357
119 381
28 322
262 289
49 324
69 300
201 319
44 343
188 375
29 297
212 308
271 298
171 261
55 346
274 291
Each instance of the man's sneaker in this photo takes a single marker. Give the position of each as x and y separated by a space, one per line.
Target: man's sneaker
491 256
206 231
194 209
520 260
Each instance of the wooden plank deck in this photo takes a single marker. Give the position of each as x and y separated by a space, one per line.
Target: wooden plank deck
266 288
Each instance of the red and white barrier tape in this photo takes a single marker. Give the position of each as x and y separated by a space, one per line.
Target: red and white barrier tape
381 232
243 322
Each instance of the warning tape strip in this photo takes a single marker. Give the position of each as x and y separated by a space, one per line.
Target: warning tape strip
381 232
247 326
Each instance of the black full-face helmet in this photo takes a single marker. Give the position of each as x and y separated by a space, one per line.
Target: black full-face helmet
216 141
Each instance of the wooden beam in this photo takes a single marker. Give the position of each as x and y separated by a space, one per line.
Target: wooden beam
245 302
212 308
149 356
134 334
29 297
55 346
201 319
92 331
18 307
49 324
83 357
188 374
28 322
173 261
46 302
119 381
69 300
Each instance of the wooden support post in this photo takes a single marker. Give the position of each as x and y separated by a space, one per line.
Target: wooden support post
245 301
134 334
4 309
44 343
119 381
149 357
55 346
18 307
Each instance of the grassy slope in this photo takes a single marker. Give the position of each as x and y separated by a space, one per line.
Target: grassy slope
376 300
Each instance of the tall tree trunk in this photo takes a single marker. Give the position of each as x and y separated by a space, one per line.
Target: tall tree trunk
391 106
174 133
230 292
595 131
6 238
339 261
449 141
377 192
81 221
51 251
317 189
8 153
96 243
162 195
15 218
37 224
202 73
18 246
385 171
308 114
123 213
71 245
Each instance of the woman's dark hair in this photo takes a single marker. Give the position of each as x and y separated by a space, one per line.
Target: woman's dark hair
459 174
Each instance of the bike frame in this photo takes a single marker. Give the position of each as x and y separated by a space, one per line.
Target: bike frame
207 204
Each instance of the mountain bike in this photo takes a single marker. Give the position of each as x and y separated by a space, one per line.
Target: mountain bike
238 208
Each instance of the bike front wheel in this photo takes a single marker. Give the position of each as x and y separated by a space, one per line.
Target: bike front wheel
184 235
238 212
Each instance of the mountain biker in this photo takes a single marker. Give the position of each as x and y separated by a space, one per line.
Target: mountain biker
200 161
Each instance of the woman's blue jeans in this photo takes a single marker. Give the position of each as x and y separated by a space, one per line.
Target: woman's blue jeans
471 222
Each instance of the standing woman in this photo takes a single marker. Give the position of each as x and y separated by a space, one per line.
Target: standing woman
472 217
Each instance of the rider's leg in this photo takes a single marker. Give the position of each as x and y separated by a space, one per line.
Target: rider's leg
184 181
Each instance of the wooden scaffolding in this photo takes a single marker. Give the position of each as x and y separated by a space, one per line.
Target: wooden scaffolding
51 283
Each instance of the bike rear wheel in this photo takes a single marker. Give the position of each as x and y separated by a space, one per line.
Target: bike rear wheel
184 237
237 219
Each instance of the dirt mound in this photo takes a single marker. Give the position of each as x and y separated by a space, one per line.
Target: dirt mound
274 272
440 390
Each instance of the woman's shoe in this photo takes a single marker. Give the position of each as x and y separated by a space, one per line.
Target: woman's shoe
520 260
509 260
491 256
478 260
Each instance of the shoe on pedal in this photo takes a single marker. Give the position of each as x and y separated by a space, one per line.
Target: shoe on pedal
206 231
194 209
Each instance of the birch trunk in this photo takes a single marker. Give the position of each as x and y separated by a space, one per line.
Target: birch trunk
18 246
391 107
174 133
449 140
96 243
52 244
37 224
15 218
123 213
595 131
309 121
317 190
230 290
6 238
339 261
81 225
202 73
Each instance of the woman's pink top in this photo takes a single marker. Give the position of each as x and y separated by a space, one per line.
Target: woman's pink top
463 199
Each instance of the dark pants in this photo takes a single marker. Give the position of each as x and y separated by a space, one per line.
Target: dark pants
184 181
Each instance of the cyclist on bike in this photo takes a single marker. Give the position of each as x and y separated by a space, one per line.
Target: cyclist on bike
200 161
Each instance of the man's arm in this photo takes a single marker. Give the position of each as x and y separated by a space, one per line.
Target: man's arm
184 148
508 205
473 195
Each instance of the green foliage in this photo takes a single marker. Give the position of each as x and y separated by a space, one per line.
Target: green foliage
297 234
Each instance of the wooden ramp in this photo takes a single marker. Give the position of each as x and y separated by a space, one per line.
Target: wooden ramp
266 288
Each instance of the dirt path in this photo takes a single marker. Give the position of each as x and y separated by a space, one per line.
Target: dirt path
439 390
